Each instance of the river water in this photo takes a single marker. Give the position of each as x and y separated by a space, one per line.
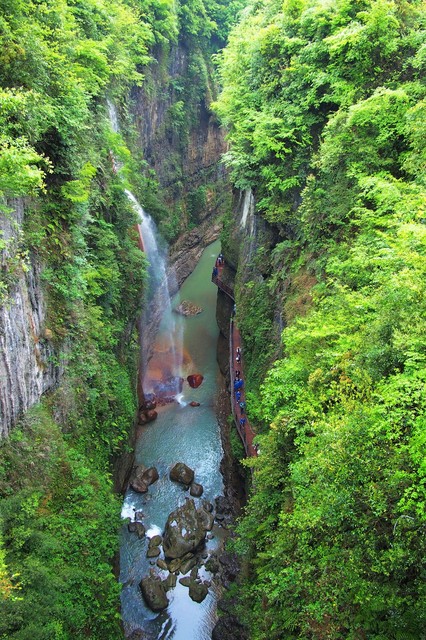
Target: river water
181 433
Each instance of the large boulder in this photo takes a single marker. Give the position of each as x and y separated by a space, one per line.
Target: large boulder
170 581
148 405
184 531
196 490
187 308
182 473
154 593
142 478
136 527
155 541
198 591
207 519
188 565
147 416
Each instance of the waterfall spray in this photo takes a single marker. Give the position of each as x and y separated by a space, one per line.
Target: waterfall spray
163 377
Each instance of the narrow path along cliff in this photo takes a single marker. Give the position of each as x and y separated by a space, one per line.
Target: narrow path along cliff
236 368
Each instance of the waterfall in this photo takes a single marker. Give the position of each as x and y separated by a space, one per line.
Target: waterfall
247 207
162 377
113 116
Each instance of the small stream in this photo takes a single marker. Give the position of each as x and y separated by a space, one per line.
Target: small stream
180 433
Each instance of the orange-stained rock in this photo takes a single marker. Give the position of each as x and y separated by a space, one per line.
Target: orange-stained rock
195 380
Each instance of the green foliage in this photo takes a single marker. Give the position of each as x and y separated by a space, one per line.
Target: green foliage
8 584
288 69
204 19
197 201
325 108
59 62
256 328
237 447
20 171
59 525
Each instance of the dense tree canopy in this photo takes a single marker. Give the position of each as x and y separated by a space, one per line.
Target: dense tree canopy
325 106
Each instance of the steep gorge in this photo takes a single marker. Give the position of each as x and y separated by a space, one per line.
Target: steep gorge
325 243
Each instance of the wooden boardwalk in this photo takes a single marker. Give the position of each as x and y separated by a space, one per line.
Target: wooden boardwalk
242 423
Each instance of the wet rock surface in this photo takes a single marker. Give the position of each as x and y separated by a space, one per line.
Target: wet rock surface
187 308
198 591
155 541
142 478
194 380
207 519
136 527
147 416
154 593
180 472
184 531
196 490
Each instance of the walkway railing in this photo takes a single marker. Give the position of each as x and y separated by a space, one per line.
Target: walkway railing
245 430
223 287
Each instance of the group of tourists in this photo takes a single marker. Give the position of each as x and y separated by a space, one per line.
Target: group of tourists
238 385
219 263
240 404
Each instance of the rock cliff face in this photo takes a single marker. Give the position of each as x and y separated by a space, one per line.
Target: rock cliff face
181 139
249 233
187 250
27 368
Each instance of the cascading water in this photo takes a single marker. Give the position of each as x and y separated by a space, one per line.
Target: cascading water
163 378
181 432
113 116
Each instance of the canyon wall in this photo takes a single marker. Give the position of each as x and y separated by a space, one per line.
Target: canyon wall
27 357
